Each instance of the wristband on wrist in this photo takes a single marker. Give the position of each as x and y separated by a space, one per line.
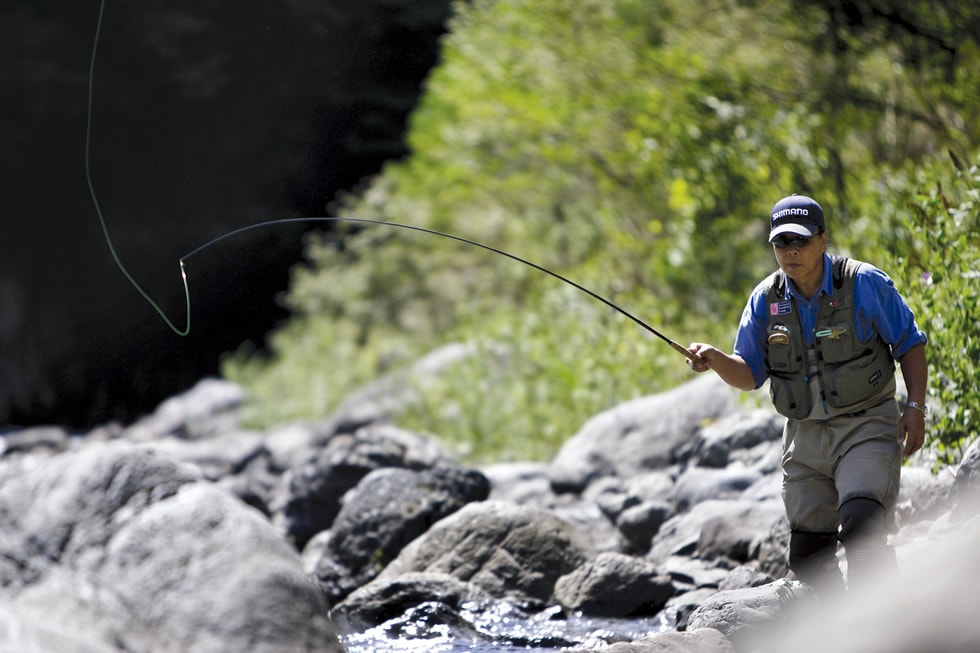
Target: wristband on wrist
918 406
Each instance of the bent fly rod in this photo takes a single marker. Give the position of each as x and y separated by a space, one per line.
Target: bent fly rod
678 347
183 268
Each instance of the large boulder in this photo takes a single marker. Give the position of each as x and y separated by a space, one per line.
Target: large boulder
739 535
718 528
615 585
376 603
126 548
743 430
697 484
644 434
637 506
388 509
733 612
509 551
309 496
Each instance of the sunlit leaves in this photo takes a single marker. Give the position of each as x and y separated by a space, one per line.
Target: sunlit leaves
937 262
635 147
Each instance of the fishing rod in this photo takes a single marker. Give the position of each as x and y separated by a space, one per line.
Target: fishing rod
183 267
678 347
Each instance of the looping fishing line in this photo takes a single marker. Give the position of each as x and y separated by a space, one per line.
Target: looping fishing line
183 270
98 208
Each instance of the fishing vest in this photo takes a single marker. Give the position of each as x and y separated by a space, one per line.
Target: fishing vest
849 372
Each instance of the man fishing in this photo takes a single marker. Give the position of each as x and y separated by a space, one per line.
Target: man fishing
826 331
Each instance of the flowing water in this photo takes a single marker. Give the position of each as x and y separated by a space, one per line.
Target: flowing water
435 628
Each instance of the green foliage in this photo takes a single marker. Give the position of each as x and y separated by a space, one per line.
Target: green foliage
938 263
634 147
531 389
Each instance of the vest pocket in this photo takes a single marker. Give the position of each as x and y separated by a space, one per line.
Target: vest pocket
782 351
835 343
860 379
790 397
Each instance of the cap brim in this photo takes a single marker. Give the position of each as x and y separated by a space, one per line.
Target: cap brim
790 228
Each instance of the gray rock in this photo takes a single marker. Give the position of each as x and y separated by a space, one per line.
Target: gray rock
768 487
738 535
689 573
680 608
699 484
308 497
773 551
527 484
966 487
216 456
523 483
613 495
640 524
254 478
507 550
741 430
640 435
33 631
292 445
654 485
923 495
681 534
378 602
40 439
388 509
765 457
637 506
615 585
745 576
210 407
584 516
54 508
131 549
732 612
705 640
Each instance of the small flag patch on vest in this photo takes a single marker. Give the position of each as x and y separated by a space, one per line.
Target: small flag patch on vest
781 308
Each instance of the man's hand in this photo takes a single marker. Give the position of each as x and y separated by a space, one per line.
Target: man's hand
912 426
912 430
705 354
732 369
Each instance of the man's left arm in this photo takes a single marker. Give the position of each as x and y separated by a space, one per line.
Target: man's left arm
912 426
883 310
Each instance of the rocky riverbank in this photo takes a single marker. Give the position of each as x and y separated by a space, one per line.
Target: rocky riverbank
187 532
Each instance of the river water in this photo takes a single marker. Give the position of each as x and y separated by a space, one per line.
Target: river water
435 628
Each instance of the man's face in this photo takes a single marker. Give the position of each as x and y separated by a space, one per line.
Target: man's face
803 263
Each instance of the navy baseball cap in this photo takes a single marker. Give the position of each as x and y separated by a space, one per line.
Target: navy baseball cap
796 214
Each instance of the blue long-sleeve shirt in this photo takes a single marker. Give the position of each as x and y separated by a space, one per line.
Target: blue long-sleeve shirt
879 310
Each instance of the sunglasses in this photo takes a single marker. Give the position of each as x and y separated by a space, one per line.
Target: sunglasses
782 242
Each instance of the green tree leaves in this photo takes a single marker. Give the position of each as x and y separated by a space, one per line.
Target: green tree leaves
938 263
635 147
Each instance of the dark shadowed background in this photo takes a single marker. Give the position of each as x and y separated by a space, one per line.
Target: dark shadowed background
207 116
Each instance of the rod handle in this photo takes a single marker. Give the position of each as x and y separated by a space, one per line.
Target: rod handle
682 350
